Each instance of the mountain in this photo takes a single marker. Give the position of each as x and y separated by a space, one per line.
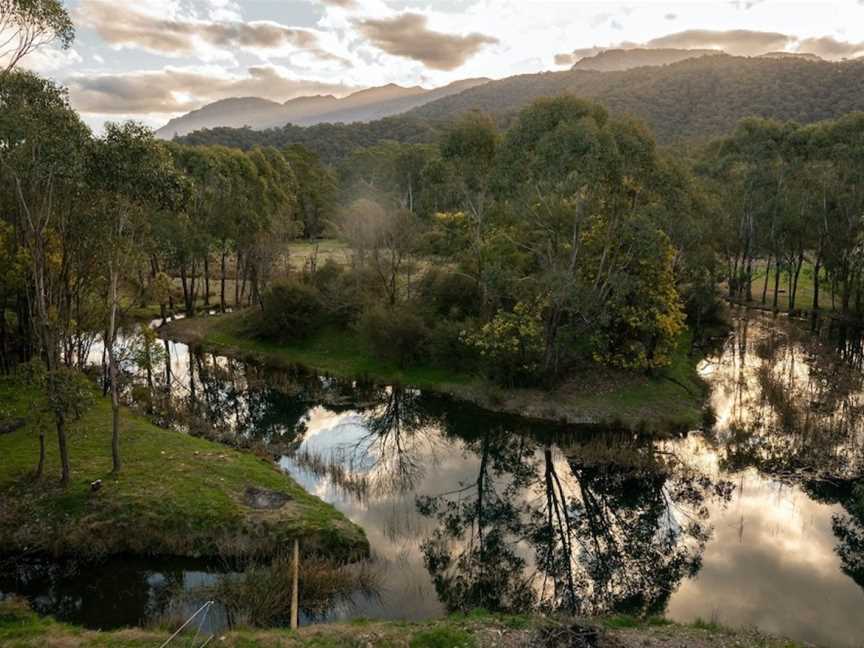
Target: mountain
362 106
695 99
616 60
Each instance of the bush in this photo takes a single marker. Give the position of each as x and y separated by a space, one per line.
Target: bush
339 292
398 334
448 349
290 311
450 294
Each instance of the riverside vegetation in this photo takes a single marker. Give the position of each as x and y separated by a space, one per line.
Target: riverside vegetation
559 265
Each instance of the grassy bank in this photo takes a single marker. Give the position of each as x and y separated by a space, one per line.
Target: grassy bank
177 495
21 628
671 399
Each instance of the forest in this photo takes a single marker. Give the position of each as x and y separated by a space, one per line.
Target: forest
523 255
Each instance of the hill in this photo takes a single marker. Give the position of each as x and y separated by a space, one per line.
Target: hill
694 99
258 114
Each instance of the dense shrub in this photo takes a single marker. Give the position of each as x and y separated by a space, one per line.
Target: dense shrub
338 292
397 334
290 311
448 349
450 294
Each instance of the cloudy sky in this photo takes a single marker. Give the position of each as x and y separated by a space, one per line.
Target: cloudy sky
154 59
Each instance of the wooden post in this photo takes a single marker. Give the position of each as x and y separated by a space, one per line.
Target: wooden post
295 593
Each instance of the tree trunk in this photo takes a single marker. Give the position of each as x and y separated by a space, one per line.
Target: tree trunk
185 284
222 280
206 279
776 283
816 270
749 278
114 374
65 470
237 280
765 283
40 469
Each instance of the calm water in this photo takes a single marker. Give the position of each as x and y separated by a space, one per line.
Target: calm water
754 523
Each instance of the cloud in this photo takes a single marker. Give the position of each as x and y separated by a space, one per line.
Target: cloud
176 90
179 36
408 36
741 42
830 48
738 42
344 4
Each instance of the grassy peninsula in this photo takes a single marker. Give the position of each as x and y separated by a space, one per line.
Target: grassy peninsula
672 398
178 495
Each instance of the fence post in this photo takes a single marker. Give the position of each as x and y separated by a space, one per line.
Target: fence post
295 581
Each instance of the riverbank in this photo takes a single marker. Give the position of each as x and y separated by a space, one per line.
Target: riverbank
21 628
671 400
177 495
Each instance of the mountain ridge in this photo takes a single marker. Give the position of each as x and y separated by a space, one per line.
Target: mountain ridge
364 105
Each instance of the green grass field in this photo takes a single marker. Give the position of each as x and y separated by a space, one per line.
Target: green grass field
177 495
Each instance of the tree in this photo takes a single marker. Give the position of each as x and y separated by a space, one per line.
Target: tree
130 173
42 145
27 25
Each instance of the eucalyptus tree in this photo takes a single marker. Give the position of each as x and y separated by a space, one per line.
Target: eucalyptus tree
42 154
584 192
27 25
130 175
469 150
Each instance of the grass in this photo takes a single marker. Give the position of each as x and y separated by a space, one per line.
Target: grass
331 350
671 399
804 294
176 495
21 628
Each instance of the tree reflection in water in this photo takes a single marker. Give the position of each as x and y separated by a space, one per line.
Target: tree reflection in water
584 530
796 413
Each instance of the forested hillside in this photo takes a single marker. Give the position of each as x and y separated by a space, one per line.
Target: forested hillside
696 99
331 142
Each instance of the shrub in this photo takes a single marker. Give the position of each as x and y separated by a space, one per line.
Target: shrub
448 349
511 344
398 334
450 294
290 311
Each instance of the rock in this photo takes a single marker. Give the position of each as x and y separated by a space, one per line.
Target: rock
96 485
259 498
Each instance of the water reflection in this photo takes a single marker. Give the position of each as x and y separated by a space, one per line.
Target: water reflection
759 522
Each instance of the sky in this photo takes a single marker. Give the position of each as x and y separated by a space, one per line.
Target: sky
151 60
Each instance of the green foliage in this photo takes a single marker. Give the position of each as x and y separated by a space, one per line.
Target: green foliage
511 344
290 311
397 334
643 317
451 295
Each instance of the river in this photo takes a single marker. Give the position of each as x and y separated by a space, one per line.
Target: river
757 522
